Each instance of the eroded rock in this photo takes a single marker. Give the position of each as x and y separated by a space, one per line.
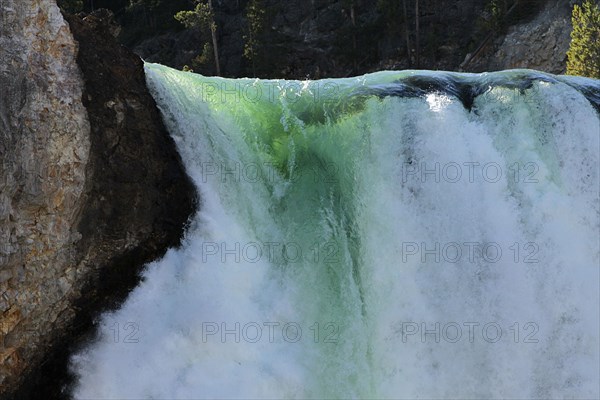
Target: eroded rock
91 186
44 150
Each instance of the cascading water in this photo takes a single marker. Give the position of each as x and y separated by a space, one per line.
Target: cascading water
396 235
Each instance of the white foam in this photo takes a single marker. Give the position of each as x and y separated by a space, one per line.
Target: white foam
375 288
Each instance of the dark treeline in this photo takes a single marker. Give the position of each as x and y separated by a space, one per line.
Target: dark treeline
300 38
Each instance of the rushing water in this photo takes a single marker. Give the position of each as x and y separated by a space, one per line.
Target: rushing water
395 235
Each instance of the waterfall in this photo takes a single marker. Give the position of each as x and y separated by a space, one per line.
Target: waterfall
402 234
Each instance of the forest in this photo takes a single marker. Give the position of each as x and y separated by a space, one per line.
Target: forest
299 39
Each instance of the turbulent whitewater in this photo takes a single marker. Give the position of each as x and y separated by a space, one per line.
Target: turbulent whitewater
395 235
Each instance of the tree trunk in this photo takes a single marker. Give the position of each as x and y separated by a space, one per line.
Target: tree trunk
407 34
418 61
213 33
353 18
253 53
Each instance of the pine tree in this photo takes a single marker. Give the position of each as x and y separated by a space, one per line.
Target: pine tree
584 53
255 13
350 5
202 17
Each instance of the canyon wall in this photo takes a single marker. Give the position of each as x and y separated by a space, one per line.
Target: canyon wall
88 182
44 151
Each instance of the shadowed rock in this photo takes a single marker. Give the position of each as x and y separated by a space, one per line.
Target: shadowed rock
92 187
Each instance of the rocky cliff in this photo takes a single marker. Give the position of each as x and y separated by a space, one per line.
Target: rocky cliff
540 44
44 151
88 180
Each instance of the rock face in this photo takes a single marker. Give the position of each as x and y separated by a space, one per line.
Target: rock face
540 44
91 186
44 151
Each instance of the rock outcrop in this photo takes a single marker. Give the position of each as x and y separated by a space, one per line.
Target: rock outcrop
91 186
44 151
539 44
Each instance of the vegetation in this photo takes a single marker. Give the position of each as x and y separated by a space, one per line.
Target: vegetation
203 18
496 10
406 32
141 19
148 9
418 26
350 37
391 13
395 18
71 6
584 52
255 15
205 57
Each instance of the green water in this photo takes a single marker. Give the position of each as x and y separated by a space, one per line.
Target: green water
346 207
